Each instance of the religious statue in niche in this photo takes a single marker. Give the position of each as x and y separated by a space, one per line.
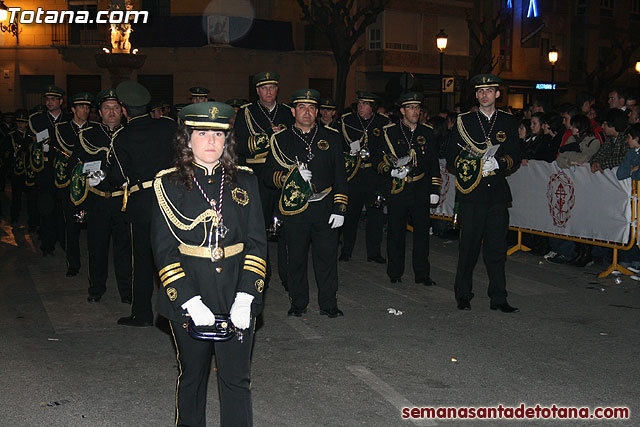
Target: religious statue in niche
120 33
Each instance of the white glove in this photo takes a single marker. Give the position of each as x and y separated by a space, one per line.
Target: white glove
94 181
240 313
306 174
434 199
399 173
199 312
490 164
355 147
336 220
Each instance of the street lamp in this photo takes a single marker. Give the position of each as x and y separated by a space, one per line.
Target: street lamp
441 43
638 70
11 27
553 58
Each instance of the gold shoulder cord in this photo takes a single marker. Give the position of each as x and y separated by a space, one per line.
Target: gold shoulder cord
63 143
278 155
167 208
249 119
90 148
389 144
467 139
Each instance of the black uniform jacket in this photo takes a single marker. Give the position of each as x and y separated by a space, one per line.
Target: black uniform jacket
326 166
19 150
185 276
356 128
38 122
468 133
424 165
140 151
253 129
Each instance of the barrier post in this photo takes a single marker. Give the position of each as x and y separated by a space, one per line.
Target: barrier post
519 246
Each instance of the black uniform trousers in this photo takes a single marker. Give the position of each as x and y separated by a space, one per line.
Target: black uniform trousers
414 201
362 191
483 224
301 233
269 199
143 271
18 187
52 222
72 232
33 216
233 363
106 221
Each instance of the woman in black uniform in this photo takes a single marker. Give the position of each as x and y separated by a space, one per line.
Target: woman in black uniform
210 246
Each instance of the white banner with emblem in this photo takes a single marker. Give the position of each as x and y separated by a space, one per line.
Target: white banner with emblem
571 202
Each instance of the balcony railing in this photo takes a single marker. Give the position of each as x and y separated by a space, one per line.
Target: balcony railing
76 35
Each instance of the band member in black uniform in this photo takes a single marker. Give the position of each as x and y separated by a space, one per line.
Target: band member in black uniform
67 138
139 152
210 245
483 191
102 201
46 157
327 113
360 131
19 140
306 163
199 94
254 125
408 157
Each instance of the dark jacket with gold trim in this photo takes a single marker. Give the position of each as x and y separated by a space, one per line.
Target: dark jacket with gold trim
327 166
141 150
18 147
253 130
353 128
425 168
67 136
184 276
38 122
468 133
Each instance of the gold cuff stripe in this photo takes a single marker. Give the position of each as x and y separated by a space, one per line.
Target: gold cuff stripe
173 279
254 270
336 198
259 266
171 273
169 267
256 258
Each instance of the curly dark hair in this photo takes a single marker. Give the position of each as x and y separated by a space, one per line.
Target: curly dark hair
183 159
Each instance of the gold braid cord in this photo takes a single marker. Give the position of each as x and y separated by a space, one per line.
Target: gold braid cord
471 143
63 144
168 211
282 159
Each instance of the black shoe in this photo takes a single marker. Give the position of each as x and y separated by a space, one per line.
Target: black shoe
94 298
504 307
377 258
426 282
126 300
296 312
134 321
464 304
332 313
344 257
395 279
583 260
71 272
558 259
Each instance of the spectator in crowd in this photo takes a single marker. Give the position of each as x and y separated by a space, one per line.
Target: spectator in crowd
581 146
539 106
633 114
630 166
530 146
567 111
632 100
615 145
548 147
524 131
584 101
617 98
527 111
594 112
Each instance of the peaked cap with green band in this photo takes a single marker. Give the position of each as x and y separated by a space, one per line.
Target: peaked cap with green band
207 115
266 78
310 96
82 98
410 98
52 90
485 80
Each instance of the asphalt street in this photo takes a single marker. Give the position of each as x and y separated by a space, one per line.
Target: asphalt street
575 343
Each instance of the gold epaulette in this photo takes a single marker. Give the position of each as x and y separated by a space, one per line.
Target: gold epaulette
389 125
277 133
165 172
286 105
427 126
383 115
346 114
506 112
244 168
246 105
168 118
330 128
33 114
